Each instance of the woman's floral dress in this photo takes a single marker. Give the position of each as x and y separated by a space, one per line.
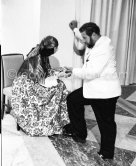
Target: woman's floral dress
39 110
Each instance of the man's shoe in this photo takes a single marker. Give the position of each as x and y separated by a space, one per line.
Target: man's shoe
78 139
66 133
105 157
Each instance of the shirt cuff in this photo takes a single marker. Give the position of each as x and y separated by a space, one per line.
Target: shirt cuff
77 33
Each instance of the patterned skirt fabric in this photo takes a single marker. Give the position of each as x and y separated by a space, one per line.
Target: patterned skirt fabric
39 110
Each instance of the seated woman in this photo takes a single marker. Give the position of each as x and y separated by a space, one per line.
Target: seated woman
39 109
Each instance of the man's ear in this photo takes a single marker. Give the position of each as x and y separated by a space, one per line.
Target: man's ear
94 35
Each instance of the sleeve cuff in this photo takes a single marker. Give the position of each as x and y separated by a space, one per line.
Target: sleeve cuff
77 33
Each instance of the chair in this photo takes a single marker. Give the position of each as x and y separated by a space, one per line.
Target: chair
10 64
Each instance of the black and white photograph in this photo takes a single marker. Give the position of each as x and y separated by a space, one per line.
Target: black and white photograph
68 82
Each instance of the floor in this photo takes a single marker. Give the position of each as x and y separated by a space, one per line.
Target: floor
19 149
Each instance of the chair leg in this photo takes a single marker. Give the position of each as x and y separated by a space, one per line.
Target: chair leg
18 127
8 108
3 107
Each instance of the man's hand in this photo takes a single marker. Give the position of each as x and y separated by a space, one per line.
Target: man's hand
68 71
73 24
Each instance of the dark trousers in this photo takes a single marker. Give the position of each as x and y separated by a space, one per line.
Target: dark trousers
104 110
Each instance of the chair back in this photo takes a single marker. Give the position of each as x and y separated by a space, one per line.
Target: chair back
10 64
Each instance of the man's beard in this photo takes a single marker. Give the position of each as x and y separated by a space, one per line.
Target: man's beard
90 45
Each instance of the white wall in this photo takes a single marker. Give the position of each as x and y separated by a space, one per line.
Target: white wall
55 18
20 25
26 22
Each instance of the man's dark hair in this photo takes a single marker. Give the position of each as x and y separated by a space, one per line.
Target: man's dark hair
89 28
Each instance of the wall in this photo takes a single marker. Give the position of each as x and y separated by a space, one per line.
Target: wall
20 25
55 18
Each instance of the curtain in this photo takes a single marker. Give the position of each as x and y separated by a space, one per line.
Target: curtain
131 52
116 19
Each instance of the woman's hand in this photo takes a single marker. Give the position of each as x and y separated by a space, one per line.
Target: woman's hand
68 71
58 69
62 72
61 75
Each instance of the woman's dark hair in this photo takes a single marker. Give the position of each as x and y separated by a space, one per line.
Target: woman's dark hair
45 49
89 28
47 46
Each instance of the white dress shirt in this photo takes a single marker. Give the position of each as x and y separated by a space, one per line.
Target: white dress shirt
100 79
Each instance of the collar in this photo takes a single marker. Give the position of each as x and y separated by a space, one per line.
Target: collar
102 40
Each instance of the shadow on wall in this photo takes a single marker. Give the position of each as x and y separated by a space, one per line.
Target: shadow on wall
54 62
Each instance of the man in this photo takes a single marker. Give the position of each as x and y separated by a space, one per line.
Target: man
101 87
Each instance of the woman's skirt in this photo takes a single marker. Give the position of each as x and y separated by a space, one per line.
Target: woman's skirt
39 110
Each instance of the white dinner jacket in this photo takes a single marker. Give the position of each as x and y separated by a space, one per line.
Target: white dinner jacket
100 79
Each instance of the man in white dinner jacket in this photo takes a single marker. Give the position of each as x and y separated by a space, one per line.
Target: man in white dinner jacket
101 87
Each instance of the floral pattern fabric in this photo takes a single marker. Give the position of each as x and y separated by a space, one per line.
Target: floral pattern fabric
39 110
